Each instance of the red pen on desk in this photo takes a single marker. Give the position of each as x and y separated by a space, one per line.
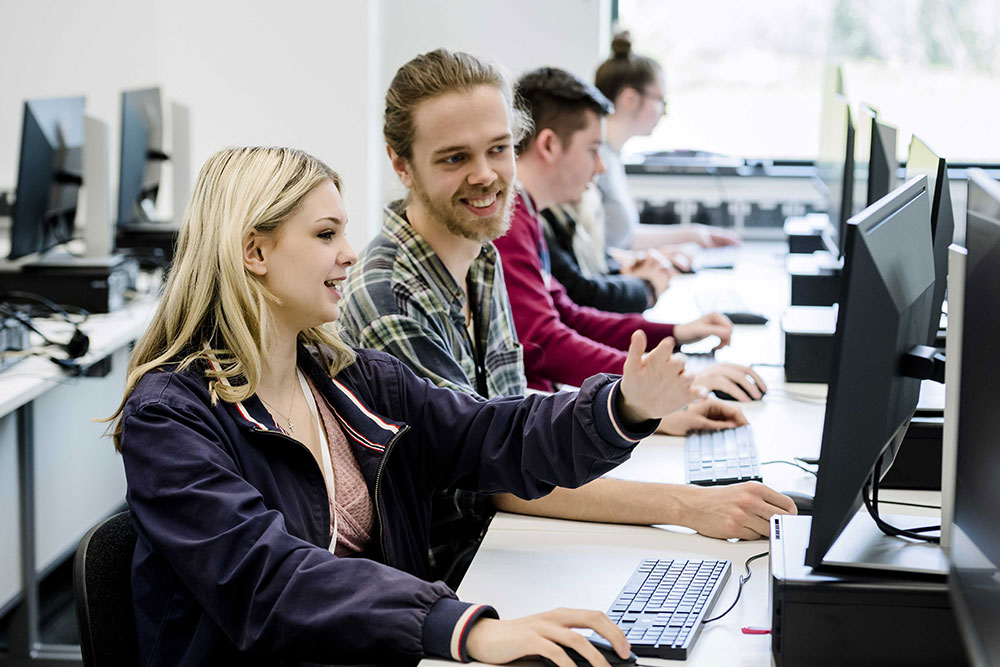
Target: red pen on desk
750 630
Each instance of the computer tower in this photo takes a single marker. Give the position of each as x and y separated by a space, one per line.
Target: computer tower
853 617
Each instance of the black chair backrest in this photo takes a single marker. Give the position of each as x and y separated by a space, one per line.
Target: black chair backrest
102 584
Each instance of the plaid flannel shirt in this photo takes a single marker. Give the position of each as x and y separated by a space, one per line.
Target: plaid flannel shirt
400 298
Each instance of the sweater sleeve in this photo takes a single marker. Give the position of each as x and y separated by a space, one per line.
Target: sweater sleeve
612 293
563 342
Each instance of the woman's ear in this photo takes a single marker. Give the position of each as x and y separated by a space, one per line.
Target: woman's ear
255 247
629 99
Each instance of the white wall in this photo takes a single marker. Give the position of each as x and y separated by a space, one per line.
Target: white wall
520 35
306 73
298 73
59 48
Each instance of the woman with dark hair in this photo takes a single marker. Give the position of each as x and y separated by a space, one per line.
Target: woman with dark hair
637 87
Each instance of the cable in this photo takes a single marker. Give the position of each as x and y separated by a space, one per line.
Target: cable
791 463
871 504
900 502
743 580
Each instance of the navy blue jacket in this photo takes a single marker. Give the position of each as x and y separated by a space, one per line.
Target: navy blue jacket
232 563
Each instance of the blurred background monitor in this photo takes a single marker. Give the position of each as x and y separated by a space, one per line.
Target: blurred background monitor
921 160
835 166
140 166
975 539
49 175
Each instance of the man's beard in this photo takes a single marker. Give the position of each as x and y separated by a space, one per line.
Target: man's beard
461 222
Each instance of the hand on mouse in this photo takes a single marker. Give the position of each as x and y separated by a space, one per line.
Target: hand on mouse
737 510
713 324
653 383
710 414
740 382
497 642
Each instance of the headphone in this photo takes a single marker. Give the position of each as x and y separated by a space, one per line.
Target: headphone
39 306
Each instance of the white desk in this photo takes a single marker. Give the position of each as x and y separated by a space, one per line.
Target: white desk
59 475
527 565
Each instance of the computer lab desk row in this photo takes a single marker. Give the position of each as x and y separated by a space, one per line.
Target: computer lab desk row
58 474
527 565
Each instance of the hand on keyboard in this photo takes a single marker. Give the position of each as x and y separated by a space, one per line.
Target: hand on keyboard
713 324
710 414
738 510
740 382
498 642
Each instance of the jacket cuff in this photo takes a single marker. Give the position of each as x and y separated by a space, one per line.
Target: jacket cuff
611 424
447 627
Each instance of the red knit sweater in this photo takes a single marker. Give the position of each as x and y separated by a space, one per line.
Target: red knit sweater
563 342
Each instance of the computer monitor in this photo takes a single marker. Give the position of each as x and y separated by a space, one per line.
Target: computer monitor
886 290
142 153
974 580
835 167
49 176
922 160
882 162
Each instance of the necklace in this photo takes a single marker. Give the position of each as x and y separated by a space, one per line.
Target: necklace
291 426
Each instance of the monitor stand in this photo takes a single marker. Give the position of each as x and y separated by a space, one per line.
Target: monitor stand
862 545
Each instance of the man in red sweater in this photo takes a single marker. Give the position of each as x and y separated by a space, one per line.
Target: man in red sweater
565 343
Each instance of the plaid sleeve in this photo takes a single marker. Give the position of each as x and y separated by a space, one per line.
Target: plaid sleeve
418 346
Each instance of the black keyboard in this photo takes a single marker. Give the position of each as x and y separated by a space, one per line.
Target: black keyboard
722 457
661 608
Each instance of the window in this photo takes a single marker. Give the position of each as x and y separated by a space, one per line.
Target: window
744 78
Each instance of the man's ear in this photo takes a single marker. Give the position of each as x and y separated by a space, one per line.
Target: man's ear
255 247
548 145
401 166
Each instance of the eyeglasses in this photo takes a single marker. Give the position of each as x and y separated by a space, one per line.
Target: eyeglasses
660 102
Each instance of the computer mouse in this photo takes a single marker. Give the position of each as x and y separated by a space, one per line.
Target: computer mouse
726 396
803 501
602 645
746 318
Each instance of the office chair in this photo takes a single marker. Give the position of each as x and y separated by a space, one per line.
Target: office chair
102 586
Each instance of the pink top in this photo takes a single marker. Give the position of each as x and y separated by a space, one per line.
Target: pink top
351 510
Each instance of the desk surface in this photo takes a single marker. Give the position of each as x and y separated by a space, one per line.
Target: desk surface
29 378
528 565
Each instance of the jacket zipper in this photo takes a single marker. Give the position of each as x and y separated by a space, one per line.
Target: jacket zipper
282 436
378 489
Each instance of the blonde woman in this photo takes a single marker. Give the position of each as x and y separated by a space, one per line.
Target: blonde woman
279 481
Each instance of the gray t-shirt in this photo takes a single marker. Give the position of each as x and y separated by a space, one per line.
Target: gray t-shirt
620 213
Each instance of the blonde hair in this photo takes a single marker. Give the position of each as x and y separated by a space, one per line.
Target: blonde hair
210 298
437 73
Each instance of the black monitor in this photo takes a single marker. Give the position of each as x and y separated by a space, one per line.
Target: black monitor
49 175
922 160
886 291
835 167
975 538
141 155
